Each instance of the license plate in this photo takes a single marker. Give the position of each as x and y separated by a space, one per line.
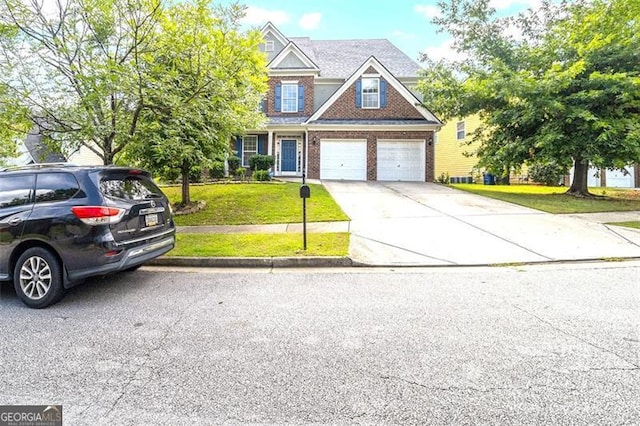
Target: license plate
151 220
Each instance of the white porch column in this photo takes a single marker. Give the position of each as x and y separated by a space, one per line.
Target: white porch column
270 143
306 154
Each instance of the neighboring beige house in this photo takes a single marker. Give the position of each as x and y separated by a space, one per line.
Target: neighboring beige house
83 156
450 158
33 150
451 147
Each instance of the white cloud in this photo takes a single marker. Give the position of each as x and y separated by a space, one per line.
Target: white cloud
310 21
443 51
429 11
258 16
403 35
506 4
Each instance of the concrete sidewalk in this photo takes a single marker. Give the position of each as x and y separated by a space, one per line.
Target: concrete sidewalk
345 226
279 228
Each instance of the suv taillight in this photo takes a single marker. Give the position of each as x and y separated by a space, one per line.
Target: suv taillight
98 215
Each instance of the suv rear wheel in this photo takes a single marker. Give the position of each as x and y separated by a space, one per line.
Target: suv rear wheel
37 278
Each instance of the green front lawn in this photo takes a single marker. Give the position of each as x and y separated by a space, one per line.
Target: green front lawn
553 200
254 203
633 224
260 245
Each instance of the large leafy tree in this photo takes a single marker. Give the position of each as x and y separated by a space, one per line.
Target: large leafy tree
75 67
560 84
14 121
206 81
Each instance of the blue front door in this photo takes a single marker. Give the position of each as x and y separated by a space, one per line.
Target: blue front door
289 155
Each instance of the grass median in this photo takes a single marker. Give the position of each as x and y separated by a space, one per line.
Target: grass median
554 200
260 245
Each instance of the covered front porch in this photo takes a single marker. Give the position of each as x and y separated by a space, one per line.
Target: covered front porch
286 146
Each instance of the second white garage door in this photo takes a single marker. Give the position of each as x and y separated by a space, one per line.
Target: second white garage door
401 160
343 159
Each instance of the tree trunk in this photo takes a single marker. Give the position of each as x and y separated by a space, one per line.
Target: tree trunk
186 197
579 185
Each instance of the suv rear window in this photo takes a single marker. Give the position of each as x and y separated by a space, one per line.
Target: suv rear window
129 187
16 190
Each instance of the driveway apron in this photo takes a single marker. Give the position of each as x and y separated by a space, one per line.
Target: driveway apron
425 224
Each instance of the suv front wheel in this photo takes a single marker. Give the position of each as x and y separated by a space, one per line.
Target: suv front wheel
37 278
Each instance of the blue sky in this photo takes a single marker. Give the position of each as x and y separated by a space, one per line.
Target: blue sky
407 23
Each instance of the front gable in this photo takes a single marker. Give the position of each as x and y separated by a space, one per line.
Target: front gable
274 41
292 59
396 102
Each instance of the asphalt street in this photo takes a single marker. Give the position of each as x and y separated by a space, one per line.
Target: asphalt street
545 344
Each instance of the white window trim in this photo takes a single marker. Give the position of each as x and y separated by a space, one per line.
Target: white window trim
464 130
269 46
282 103
368 77
248 151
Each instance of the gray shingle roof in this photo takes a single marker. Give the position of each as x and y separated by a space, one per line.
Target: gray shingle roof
287 120
340 58
39 151
365 122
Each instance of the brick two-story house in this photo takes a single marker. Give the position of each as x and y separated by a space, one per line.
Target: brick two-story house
342 109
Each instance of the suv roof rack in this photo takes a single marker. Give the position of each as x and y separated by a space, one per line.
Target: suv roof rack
35 166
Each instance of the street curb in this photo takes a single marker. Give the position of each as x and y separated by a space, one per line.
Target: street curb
253 262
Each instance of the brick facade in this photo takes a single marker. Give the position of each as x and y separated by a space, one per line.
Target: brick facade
372 139
397 107
306 81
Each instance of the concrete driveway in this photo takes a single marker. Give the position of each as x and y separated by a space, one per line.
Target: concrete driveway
413 223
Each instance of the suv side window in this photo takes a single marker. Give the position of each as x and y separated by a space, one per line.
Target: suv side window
16 190
56 187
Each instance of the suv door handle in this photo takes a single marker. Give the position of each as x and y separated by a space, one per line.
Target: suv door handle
15 221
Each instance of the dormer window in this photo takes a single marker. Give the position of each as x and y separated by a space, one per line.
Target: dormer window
370 93
269 46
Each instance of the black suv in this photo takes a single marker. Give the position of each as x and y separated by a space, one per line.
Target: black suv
60 224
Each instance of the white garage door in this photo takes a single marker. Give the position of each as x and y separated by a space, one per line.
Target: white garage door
343 159
401 160
618 179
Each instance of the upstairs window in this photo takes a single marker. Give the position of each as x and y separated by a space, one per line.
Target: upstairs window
460 131
268 46
289 97
370 93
